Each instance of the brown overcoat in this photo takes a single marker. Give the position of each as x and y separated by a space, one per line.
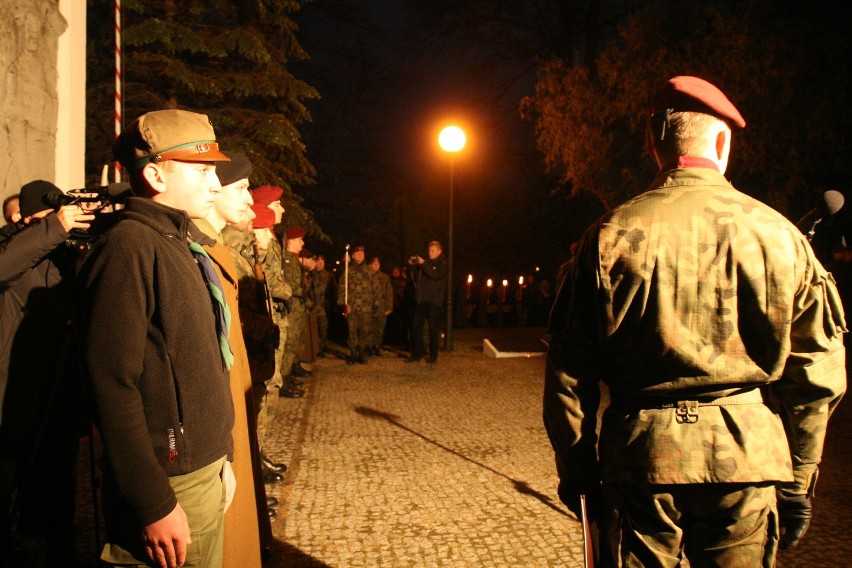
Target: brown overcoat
242 532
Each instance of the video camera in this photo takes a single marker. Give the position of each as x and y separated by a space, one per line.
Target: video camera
103 201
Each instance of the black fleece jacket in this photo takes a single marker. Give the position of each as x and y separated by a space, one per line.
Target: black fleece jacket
151 356
430 279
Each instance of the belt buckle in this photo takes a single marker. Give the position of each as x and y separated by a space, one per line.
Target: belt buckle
687 412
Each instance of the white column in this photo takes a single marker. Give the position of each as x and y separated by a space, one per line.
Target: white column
71 92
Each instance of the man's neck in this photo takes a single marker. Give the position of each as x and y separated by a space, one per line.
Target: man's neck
691 162
263 236
216 221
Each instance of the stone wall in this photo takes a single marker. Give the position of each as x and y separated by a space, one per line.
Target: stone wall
29 33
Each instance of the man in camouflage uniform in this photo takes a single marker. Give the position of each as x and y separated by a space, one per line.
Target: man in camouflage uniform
321 280
269 211
719 337
310 339
293 273
384 306
362 301
261 331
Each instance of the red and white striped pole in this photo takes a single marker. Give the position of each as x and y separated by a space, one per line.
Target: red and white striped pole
117 81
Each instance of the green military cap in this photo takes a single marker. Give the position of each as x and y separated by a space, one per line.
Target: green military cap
170 134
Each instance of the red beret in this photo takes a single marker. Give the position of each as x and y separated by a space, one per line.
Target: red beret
691 94
294 233
262 197
358 248
266 194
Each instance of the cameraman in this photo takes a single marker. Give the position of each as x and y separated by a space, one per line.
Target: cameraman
430 283
35 457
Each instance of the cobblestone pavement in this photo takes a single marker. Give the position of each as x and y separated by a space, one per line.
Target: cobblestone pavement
395 464
414 465
405 465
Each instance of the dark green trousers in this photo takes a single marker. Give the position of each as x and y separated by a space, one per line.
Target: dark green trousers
731 525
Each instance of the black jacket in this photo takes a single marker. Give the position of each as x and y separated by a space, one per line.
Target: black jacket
34 308
151 356
430 280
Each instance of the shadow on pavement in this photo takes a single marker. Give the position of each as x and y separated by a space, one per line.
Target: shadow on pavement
521 487
285 554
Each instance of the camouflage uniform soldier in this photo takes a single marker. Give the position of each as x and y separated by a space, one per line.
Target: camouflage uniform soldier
260 332
269 211
293 274
384 306
309 339
719 336
322 282
361 303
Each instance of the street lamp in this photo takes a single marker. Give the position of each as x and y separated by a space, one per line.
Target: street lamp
451 140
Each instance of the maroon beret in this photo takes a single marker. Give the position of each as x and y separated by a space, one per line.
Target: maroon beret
294 233
691 94
306 253
358 248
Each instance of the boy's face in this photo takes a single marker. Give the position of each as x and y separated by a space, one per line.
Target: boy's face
233 201
188 186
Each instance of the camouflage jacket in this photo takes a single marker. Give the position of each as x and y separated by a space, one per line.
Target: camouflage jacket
270 259
693 291
384 292
362 289
252 296
322 280
293 275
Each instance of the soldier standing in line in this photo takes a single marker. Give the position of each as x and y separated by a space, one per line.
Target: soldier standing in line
720 337
269 211
382 309
293 273
260 333
310 340
361 303
323 282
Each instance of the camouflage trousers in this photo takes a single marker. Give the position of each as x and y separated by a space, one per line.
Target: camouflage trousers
377 328
734 525
322 329
295 338
268 397
359 328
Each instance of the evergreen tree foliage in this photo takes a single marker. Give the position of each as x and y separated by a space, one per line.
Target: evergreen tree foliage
224 58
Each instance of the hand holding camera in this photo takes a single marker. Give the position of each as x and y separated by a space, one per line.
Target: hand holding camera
415 260
74 217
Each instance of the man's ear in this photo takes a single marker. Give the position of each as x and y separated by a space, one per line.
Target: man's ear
153 175
723 148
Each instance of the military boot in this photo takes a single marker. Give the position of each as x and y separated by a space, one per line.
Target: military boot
361 358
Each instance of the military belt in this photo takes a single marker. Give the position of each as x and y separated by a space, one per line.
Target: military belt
686 411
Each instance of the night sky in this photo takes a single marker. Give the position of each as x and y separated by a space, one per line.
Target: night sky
388 88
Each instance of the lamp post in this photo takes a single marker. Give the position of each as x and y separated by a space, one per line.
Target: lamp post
451 140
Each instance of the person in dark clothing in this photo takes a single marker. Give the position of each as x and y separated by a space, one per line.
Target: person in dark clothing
12 209
430 282
155 352
39 397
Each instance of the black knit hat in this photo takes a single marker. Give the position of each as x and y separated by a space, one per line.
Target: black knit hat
231 172
32 193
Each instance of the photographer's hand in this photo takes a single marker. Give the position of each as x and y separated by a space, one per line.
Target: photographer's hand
73 217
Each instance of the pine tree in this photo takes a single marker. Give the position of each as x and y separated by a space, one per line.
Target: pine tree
224 58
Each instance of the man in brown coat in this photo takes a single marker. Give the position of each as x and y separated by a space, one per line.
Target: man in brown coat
243 524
